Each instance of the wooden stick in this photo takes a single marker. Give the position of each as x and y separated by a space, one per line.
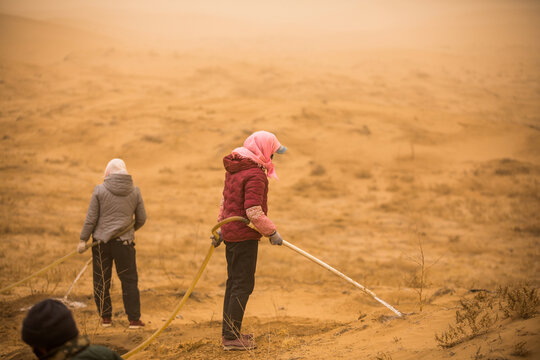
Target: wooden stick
341 275
77 278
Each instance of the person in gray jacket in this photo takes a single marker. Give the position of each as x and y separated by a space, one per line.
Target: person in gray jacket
110 213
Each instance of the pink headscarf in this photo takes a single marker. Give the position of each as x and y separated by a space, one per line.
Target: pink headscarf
115 166
259 147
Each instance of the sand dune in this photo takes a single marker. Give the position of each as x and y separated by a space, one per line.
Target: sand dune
37 42
393 152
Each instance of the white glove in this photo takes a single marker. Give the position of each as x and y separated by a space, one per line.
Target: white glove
275 239
81 247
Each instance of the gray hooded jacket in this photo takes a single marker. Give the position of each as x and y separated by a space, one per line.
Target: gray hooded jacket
111 209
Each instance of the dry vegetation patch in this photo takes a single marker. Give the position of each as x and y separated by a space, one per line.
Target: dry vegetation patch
478 316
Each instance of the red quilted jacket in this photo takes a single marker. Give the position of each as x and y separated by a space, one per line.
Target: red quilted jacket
246 185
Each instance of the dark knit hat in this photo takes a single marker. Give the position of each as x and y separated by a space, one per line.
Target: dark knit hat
48 324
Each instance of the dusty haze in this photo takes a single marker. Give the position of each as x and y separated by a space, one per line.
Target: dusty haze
412 128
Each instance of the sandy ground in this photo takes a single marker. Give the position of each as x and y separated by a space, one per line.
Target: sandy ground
393 151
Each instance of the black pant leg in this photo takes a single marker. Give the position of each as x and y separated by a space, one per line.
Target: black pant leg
126 268
242 261
230 275
102 268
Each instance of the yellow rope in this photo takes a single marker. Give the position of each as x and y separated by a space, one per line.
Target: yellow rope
178 307
39 272
188 292
61 260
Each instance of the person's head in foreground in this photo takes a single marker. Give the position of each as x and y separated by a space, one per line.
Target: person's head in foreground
50 330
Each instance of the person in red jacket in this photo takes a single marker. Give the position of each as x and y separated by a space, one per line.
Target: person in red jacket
245 194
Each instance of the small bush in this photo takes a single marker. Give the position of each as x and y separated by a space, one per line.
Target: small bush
383 356
441 189
190 346
393 188
478 355
522 301
478 315
318 170
475 317
519 349
152 139
363 174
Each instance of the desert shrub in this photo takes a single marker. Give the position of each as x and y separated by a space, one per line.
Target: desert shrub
521 301
418 280
534 230
478 355
383 356
324 187
407 179
318 170
393 188
519 349
474 317
478 315
508 167
166 170
363 174
441 189
152 139
364 130
190 346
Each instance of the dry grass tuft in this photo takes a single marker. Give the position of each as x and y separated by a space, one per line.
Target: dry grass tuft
318 170
478 355
383 356
190 346
533 230
511 167
324 187
363 174
519 349
478 315
522 301
418 280
475 317
152 139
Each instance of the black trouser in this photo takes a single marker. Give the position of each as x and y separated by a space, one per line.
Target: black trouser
126 268
241 264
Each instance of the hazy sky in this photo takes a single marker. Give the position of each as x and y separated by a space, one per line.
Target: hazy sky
399 20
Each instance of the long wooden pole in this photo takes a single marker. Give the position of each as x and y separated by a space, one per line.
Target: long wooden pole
341 275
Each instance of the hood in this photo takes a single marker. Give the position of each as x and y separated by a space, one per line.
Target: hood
115 166
234 163
119 184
